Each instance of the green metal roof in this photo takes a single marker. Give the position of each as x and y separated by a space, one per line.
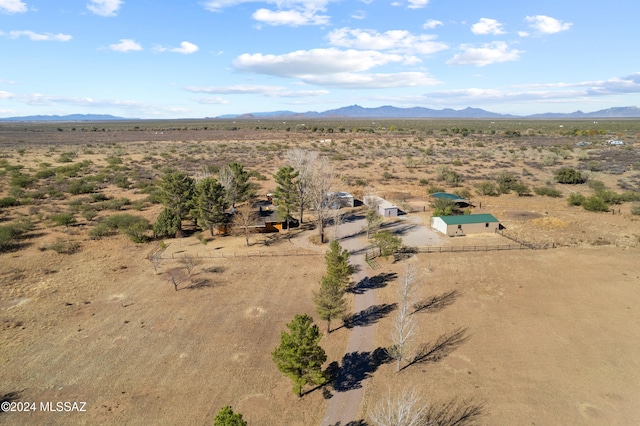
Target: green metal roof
446 196
468 218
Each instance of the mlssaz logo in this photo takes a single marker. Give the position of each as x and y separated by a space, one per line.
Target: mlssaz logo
60 406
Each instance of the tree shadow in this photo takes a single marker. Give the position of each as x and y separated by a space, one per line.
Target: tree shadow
215 269
369 316
443 346
371 283
352 423
457 412
10 397
200 284
436 303
356 367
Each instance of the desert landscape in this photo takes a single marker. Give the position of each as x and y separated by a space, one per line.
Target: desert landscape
149 330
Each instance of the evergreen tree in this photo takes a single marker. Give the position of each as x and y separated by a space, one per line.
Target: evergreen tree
299 356
373 220
338 267
209 204
226 417
176 193
286 193
167 223
330 302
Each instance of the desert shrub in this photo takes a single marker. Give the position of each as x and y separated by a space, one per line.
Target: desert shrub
506 182
167 223
635 209
486 188
570 176
62 246
575 199
630 196
595 204
463 193
21 180
81 186
548 191
44 174
135 227
597 185
121 181
609 197
424 182
62 219
9 202
8 235
520 189
432 189
101 230
66 157
98 196
444 207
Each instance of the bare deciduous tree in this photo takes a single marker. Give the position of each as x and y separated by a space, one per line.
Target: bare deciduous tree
405 409
321 196
404 324
304 162
244 217
176 276
155 258
189 262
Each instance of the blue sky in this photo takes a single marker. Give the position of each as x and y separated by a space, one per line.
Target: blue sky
192 59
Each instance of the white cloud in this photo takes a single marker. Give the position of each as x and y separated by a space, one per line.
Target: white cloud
314 62
487 26
125 45
546 24
39 37
399 41
271 91
12 6
523 34
212 100
550 92
289 12
105 7
359 15
418 4
186 48
293 18
372 81
431 24
335 68
491 53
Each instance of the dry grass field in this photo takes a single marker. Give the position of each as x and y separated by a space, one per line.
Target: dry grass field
544 336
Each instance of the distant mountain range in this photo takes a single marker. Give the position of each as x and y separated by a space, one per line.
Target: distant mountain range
356 111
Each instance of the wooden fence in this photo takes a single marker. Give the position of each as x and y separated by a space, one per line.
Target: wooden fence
532 246
228 255
460 249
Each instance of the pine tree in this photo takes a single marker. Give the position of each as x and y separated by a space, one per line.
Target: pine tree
299 356
176 193
226 417
209 204
286 192
338 267
167 223
330 302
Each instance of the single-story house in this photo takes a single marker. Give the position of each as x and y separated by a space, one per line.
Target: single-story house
465 224
615 142
382 206
268 220
340 200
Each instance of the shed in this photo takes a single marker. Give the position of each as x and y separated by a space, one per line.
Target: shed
382 206
340 200
465 224
462 202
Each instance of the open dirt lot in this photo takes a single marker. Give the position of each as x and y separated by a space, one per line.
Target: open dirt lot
545 337
521 337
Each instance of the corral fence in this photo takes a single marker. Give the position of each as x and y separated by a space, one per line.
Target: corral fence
229 255
532 246
461 249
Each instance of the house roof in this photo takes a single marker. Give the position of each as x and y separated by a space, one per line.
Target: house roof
468 219
447 196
